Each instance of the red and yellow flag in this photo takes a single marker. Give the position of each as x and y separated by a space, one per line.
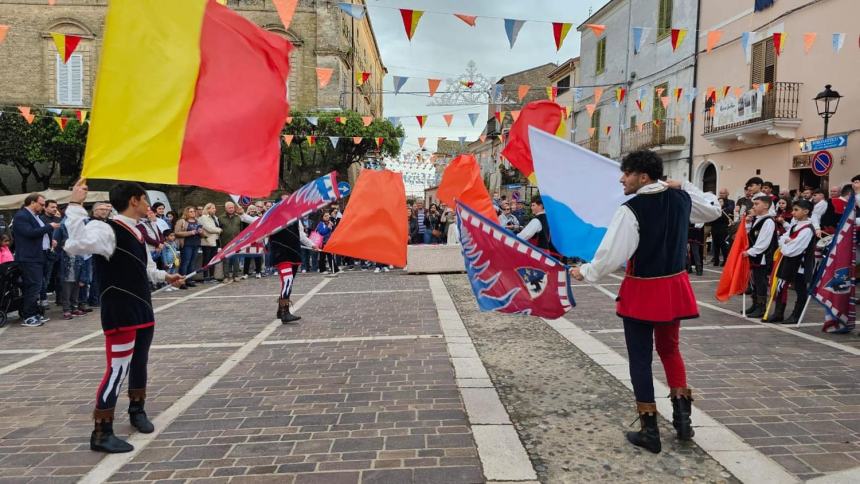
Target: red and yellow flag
620 93
410 20
779 42
66 45
213 114
379 142
559 32
61 122
312 140
81 116
678 36
361 77
421 120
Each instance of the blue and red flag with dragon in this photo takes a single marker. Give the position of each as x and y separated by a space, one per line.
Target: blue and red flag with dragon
302 202
836 281
509 275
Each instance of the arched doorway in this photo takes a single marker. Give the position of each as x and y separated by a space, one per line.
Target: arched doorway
709 178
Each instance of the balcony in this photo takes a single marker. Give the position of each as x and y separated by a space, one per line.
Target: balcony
755 117
596 145
661 136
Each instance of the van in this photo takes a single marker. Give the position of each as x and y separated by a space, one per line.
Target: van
156 196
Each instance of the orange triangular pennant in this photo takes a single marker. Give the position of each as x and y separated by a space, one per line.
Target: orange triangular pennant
4 29
366 120
25 111
515 115
288 139
665 101
714 37
448 118
597 29
809 41
469 19
324 76
356 140
483 138
286 10
433 85
421 142
598 93
591 132
590 108
523 91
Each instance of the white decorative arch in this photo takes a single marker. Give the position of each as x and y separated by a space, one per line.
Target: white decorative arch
699 174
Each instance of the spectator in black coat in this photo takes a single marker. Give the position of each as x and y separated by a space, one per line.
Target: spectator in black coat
32 238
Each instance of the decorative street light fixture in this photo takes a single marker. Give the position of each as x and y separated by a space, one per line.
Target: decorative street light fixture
827 102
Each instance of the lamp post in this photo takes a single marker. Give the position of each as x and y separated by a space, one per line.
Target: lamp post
827 102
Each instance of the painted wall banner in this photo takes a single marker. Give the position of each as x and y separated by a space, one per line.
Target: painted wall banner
822 162
731 110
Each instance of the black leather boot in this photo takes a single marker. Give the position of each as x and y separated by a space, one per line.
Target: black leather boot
778 314
136 414
648 437
759 308
285 315
795 313
103 439
682 409
753 307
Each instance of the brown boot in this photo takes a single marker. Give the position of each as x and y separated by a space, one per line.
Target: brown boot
284 312
102 438
682 409
648 436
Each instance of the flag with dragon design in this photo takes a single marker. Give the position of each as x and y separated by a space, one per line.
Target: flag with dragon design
510 275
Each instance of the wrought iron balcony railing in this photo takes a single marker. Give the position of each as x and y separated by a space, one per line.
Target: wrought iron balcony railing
780 103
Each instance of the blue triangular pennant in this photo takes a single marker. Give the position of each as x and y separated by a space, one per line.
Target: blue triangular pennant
353 10
399 81
334 141
512 28
637 39
746 43
394 120
473 118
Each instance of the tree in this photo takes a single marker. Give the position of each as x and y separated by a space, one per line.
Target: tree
301 163
39 149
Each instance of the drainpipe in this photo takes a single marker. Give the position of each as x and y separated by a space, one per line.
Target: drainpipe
695 85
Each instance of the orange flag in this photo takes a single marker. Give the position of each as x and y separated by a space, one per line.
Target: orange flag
714 37
421 142
462 181
736 275
544 115
25 111
356 140
366 120
433 85
324 75
469 19
374 226
597 29
523 91
288 139
598 93
286 10
808 41
448 119
515 115
4 29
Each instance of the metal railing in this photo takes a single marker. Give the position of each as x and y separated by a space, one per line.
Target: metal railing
781 102
597 145
653 133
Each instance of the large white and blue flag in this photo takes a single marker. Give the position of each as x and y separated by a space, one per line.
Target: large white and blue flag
580 191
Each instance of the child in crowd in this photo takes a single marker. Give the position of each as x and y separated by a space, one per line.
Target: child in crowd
328 264
761 230
5 249
170 255
798 262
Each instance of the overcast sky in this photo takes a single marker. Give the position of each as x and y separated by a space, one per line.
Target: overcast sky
443 45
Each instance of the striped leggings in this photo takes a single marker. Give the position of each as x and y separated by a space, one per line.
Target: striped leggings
127 356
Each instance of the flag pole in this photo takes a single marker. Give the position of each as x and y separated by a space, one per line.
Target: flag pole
186 277
744 305
803 313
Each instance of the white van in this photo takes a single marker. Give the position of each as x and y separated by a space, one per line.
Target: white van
156 196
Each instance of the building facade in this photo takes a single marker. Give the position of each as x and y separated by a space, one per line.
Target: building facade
563 79
761 132
654 70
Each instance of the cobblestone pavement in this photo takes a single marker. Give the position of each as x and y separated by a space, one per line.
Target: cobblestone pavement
381 383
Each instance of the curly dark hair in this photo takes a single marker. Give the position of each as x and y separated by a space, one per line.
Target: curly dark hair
644 161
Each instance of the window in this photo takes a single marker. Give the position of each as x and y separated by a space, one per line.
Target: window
595 123
633 121
763 62
664 19
659 111
563 85
70 81
601 56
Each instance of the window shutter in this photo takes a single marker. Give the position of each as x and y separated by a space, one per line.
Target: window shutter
76 80
664 18
769 72
62 82
757 63
595 121
659 112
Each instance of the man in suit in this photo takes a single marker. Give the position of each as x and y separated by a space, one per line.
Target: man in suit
32 238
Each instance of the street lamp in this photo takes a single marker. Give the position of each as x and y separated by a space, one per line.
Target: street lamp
827 102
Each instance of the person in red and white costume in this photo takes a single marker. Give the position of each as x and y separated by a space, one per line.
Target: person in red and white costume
649 233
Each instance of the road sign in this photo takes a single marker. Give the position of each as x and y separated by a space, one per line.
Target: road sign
822 162
824 144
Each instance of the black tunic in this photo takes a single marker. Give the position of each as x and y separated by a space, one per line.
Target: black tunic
664 221
286 245
126 300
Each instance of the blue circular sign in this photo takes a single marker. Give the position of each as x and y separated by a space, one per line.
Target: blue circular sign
822 162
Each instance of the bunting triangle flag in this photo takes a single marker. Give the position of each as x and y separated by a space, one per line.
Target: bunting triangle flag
334 141
394 120
500 116
620 94
809 41
746 44
312 140
66 45
433 85
54 111
598 93
522 91
597 29
502 139
838 42
483 138
288 139
469 19
379 141
552 93
739 91
324 76
25 111
314 120
288 120
361 77
515 115
366 120
286 9
421 120
354 10
590 108
356 140
726 90
61 122
638 38
660 91
462 140
778 42
690 117
81 115
591 132
665 101
678 92
639 105
678 36
559 33
473 118
421 142
410 21
399 82
512 29
340 119
608 130
448 118
714 37
4 29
